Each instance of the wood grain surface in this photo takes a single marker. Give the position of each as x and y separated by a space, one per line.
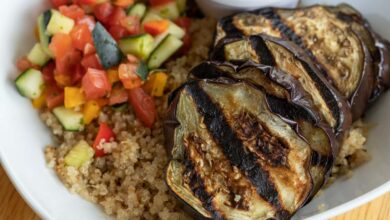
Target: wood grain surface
13 207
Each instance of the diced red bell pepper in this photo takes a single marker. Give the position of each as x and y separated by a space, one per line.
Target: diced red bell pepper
156 27
54 96
95 84
72 11
105 133
144 106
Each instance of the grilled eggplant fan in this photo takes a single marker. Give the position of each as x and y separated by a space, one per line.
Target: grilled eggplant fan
342 53
233 157
254 132
293 61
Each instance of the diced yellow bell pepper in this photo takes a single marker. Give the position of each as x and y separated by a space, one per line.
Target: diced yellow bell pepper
74 97
91 111
39 102
156 84
112 75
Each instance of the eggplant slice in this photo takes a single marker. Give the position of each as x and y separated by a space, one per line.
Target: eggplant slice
338 51
292 60
378 47
235 154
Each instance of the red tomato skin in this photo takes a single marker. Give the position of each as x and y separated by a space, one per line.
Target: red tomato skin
89 21
117 15
95 84
72 11
103 12
104 133
89 49
81 35
54 97
118 32
78 75
48 73
58 3
91 61
144 106
154 3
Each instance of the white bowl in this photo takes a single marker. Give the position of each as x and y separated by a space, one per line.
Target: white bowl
24 136
220 8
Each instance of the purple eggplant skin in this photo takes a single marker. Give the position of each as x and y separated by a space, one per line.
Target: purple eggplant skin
338 104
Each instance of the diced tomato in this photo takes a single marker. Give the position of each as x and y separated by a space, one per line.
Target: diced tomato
144 106
72 11
89 49
89 21
58 3
78 75
123 3
48 73
103 12
117 15
186 44
118 95
54 97
60 44
105 133
102 102
68 63
132 24
91 61
23 64
85 2
81 35
95 84
159 2
183 22
118 32
132 59
156 27
127 75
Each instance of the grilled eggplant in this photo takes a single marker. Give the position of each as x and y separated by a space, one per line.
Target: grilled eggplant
292 60
378 47
235 154
338 51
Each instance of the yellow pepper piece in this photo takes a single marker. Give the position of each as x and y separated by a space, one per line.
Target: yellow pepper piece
74 97
112 75
158 82
91 111
39 102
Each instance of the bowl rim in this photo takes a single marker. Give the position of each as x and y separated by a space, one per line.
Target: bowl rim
42 212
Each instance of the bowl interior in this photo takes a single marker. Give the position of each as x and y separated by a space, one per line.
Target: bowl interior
24 137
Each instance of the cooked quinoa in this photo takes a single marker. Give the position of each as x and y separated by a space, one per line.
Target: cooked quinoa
128 183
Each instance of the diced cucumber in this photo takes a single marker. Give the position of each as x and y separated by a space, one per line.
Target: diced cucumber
69 119
173 29
106 47
163 51
59 23
169 10
150 16
140 45
142 71
138 9
37 55
79 154
181 5
43 21
30 83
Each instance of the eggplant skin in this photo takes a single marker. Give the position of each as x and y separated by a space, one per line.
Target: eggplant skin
338 51
291 59
229 148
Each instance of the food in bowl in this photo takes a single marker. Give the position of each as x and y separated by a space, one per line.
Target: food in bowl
109 100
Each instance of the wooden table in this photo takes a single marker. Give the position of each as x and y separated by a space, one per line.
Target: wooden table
13 207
